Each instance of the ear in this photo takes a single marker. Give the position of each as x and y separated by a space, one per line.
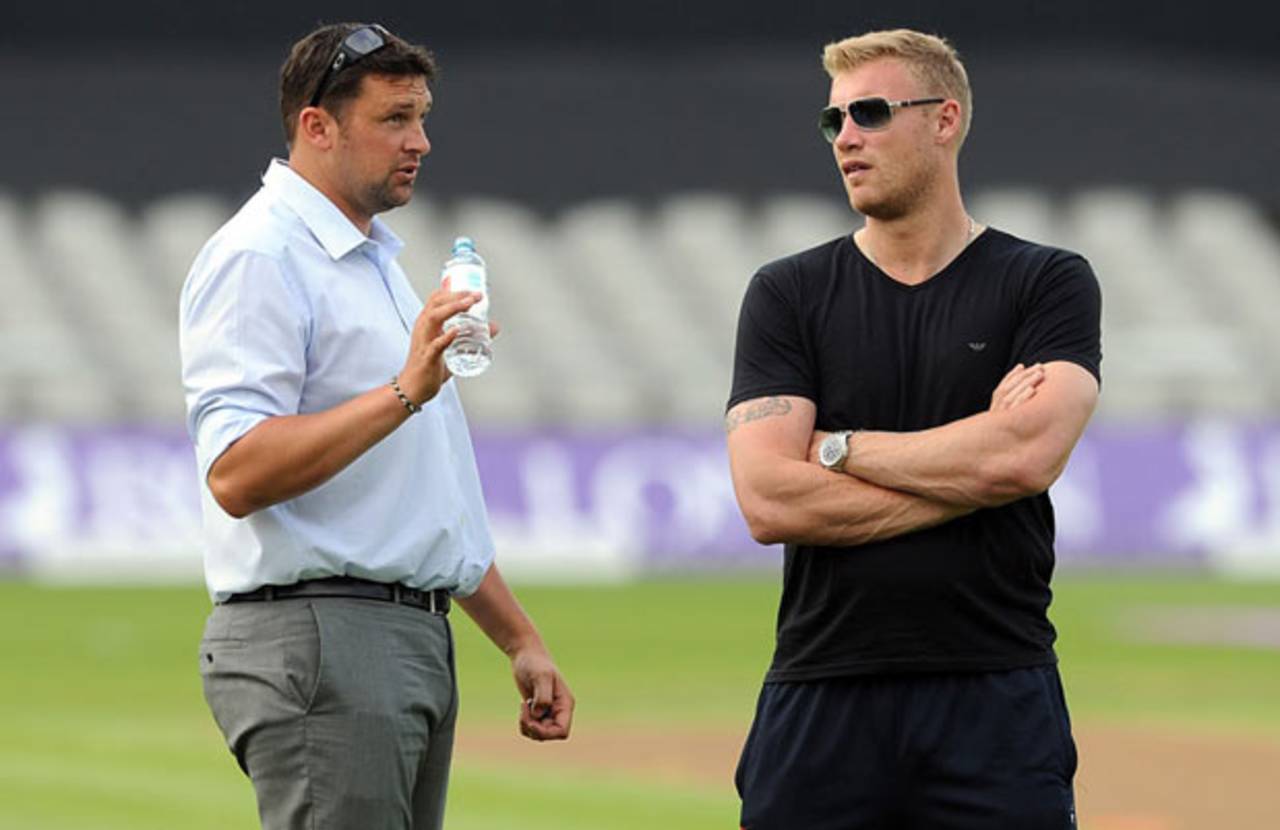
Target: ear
950 122
316 127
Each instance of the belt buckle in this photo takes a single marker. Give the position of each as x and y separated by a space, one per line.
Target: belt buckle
429 600
405 595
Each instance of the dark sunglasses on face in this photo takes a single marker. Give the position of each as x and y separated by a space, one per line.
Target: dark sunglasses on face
354 48
867 113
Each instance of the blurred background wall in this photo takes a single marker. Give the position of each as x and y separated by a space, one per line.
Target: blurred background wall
625 168
551 103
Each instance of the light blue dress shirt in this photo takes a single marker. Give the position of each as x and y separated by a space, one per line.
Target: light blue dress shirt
290 309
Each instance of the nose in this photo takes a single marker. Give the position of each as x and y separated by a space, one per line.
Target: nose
849 136
418 142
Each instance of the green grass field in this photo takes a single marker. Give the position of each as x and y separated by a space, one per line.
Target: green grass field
102 723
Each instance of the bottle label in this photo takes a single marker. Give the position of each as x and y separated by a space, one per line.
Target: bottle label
463 276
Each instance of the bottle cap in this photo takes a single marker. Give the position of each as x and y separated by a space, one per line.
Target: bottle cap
463 243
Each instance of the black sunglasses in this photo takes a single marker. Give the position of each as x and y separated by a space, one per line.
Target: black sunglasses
867 113
354 48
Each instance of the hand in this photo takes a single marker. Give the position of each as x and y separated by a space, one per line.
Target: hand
815 444
424 371
1019 386
546 708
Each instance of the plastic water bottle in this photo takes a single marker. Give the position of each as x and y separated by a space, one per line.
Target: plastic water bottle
471 351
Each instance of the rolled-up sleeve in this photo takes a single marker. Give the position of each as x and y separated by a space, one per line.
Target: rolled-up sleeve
243 337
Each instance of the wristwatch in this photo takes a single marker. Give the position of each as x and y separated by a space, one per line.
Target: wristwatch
834 450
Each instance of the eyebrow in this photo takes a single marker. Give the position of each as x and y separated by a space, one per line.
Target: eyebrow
405 106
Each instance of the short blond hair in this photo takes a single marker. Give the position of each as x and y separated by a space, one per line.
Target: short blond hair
931 59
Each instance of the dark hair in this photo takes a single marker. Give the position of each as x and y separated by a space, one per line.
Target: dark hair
310 57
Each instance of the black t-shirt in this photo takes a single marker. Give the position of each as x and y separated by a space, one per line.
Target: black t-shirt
872 353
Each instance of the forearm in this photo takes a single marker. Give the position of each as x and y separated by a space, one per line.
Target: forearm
1017 448
286 456
498 614
801 503
979 461
546 709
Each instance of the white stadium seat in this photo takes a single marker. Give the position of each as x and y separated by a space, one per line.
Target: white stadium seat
618 314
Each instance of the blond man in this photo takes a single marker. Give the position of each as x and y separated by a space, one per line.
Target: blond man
903 397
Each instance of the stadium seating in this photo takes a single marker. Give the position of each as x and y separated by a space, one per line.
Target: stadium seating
620 314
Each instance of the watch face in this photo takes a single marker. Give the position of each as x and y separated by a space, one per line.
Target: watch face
831 449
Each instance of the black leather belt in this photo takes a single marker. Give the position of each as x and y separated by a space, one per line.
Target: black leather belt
433 602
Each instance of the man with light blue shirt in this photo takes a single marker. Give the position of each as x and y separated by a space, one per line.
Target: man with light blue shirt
342 511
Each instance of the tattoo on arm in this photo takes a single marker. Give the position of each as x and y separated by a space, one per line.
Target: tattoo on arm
754 411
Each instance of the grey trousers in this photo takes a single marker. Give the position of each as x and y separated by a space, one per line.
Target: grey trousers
341 711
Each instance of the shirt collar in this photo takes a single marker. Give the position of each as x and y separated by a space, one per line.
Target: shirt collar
330 226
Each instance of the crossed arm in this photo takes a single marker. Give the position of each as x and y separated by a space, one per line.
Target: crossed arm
988 459
786 498
897 483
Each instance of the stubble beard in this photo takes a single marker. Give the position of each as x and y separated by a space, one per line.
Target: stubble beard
383 196
901 200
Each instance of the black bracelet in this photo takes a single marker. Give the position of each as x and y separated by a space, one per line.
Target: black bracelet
404 399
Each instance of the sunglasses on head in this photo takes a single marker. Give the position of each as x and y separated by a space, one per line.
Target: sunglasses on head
354 48
867 113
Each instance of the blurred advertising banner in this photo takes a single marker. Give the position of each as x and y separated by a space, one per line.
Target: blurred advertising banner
108 503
